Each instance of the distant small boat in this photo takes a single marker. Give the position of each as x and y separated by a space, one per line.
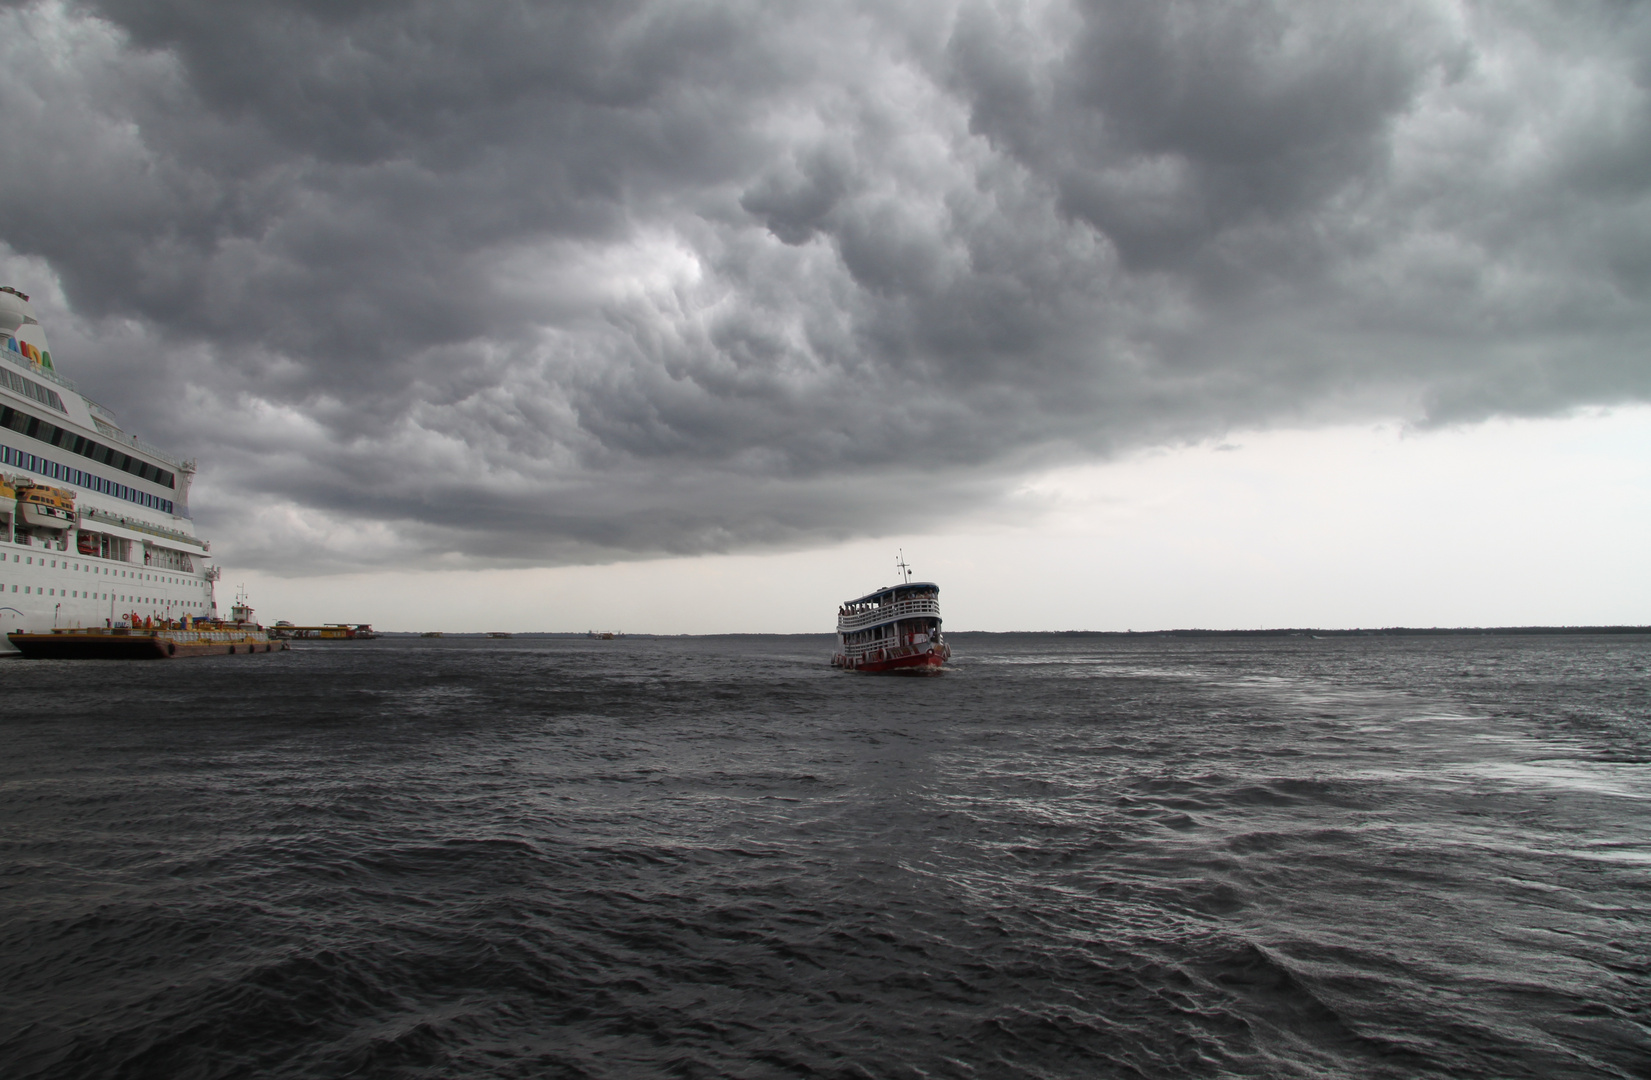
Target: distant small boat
498 633
603 635
431 633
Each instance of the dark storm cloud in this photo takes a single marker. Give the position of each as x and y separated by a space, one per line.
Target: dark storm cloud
525 282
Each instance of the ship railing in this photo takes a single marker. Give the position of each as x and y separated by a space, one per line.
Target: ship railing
39 371
101 412
903 609
110 430
125 522
152 450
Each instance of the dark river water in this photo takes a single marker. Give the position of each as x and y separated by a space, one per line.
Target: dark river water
702 857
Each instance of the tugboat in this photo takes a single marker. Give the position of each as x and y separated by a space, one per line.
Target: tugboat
895 630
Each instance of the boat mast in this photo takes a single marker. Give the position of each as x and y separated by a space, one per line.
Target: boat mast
900 564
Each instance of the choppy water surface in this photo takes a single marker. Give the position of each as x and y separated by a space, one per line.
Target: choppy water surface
1068 857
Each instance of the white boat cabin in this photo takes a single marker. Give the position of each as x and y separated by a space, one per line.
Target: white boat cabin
891 617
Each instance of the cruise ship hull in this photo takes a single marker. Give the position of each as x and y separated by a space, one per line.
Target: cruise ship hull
48 588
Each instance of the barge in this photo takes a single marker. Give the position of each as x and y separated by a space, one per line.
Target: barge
124 643
143 638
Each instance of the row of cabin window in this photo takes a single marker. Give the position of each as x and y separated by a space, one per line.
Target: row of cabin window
80 478
885 632
123 598
47 432
92 568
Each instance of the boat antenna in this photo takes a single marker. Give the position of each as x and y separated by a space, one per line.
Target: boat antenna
900 564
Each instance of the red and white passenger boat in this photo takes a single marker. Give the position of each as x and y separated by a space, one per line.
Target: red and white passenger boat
895 629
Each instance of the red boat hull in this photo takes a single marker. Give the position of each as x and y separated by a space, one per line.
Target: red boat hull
914 663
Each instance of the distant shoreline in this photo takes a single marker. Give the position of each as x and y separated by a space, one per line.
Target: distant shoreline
1297 632
1385 631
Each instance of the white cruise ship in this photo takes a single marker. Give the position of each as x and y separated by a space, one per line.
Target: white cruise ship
94 524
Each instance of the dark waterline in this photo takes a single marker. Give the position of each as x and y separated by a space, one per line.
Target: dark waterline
1067 857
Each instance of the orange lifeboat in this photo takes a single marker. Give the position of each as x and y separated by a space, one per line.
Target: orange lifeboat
42 507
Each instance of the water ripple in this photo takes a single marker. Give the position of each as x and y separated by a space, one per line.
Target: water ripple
1071 857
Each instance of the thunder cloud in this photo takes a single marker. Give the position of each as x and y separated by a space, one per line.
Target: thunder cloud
526 283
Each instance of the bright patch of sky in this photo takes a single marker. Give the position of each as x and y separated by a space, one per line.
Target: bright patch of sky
1511 522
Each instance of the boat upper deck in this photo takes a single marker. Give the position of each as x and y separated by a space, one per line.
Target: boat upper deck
916 599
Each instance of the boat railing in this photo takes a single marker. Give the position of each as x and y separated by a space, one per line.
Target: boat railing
125 522
901 609
101 412
38 371
110 430
178 463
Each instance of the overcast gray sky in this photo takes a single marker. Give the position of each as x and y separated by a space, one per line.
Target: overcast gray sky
548 283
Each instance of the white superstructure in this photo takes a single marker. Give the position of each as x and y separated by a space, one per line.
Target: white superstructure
94 524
